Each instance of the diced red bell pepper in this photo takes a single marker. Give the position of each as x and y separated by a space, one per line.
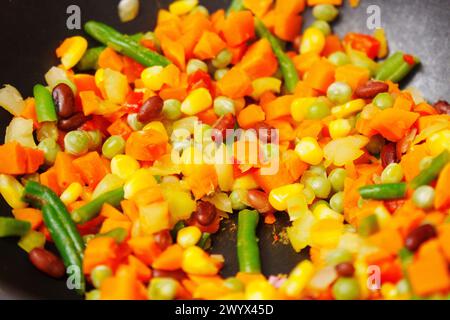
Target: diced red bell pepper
200 79
134 101
364 43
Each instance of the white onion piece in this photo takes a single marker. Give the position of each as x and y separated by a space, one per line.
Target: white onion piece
11 100
128 10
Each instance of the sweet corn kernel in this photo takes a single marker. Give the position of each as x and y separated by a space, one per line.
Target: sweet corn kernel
389 291
278 197
313 41
71 51
189 236
100 78
197 101
297 206
140 180
153 78
309 151
362 276
322 211
383 216
299 107
260 290
267 84
124 166
72 193
182 7
245 183
326 233
298 279
348 108
157 126
12 191
339 128
197 262
439 142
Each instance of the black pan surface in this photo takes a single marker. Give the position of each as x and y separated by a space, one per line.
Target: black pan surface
30 31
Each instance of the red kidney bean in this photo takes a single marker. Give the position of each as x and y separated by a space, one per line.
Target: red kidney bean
64 100
265 132
388 154
73 123
419 235
345 269
224 123
206 213
259 200
442 106
371 89
151 109
178 275
163 239
47 262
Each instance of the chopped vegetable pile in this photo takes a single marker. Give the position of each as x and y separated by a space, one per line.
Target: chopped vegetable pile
146 142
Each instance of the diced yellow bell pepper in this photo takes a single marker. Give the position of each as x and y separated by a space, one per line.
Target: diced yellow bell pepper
124 166
322 211
326 233
157 126
348 109
140 180
71 51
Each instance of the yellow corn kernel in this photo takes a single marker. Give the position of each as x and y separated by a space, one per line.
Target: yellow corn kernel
12 191
100 77
124 166
348 108
140 180
313 41
260 290
197 262
245 183
72 193
339 128
383 216
157 126
182 7
389 291
309 151
362 276
267 84
153 78
71 51
380 35
438 142
297 206
197 101
299 107
189 236
298 279
322 211
278 197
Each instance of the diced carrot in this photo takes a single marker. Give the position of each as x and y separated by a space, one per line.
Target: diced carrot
146 145
174 51
284 127
444 239
259 60
238 52
304 62
393 124
425 109
170 259
12 159
109 212
111 60
121 128
309 128
388 239
442 198
287 26
218 20
258 7
33 216
90 102
404 102
173 93
99 251
130 210
143 272
35 158
290 7
303 90
321 75
145 249
316 2
49 179
66 171
238 28
209 46
279 107
269 20
250 116
332 44
407 218
235 84
354 76
208 117
111 224
202 180
91 168
30 112
410 161
86 82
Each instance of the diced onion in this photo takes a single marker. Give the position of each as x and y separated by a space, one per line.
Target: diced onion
11 100
128 10
21 131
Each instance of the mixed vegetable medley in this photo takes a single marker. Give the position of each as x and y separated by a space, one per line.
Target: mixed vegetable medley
100 161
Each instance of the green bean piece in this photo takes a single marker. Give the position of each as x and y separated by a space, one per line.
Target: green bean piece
247 243
178 226
63 242
118 234
137 36
39 196
10 227
45 107
124 44
92 209
432 171
90 59
368 226
286 64
395 68
205 241
236 5
387 191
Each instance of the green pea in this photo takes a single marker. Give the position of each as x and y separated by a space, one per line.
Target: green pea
322 26
423 197
346 289
383 100
403 287
236 199
309 194
393 173
318 110
224 106
425 163
93 295
318 170
220 73
172 109
113 146
319 203
338 256
134 123
162 289
321 186
50 148
95 140
339 58
337 179
337 202
100 274
76 142
339 92
223 59
234 284
375 144
200 9
47 130
325 12
195 65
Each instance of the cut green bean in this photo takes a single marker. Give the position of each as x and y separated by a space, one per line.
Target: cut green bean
10 227
396 67
384 191
118 234
92 209
429 174
45 107
247 243
124 44
236 5
90 59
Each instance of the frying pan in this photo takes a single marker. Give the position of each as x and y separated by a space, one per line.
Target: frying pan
31 30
